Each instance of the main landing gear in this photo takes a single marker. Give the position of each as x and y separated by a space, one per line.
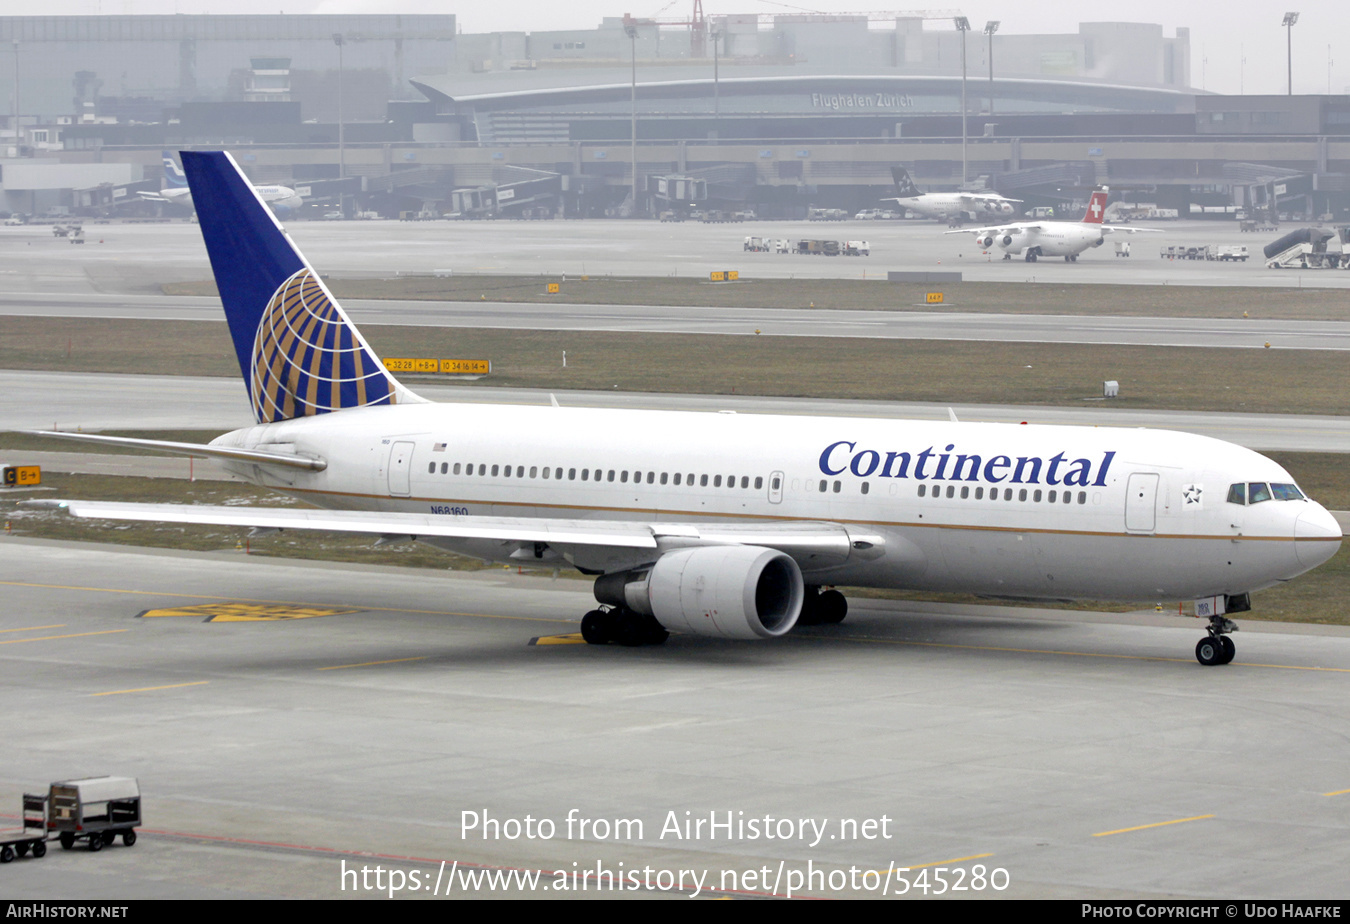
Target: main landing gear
1071 258
1032 254
822 607
620 625
1217 647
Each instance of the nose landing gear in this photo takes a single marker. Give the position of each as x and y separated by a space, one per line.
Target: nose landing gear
1217 647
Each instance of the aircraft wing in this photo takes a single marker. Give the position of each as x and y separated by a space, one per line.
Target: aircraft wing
813 545
1112 229
986 200
998 229
152 196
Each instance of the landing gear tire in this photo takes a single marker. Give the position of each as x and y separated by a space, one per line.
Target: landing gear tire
596 628
1209 651
1229 649
833 607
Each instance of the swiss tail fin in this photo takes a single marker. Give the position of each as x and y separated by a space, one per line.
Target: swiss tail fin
298 351
1096 207
173 177
904 185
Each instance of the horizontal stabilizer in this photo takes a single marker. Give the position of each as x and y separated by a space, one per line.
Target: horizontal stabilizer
287 460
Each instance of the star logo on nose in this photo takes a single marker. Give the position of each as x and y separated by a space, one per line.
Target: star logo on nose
1193 493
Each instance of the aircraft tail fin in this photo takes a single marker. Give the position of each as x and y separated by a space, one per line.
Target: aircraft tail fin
903 183
174 178
1096 209
299 353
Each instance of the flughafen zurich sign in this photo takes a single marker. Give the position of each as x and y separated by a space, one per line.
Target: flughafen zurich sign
861 101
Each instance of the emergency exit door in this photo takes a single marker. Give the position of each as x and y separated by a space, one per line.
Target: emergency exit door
1141 502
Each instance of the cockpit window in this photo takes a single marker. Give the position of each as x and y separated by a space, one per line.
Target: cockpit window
1257 492
1237 494
1286 491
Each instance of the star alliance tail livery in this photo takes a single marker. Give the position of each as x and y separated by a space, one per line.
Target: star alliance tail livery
724 525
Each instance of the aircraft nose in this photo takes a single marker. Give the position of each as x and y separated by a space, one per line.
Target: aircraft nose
1317 536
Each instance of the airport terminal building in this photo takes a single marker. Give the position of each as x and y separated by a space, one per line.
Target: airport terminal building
773 113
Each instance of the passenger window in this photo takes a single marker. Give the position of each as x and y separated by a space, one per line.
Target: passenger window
823 485
677 479
663 477
1036 496
572 474
585 474
431 468
623 477
864 487
610 476
557 473
1007 494
1257 492
951 491
546 472
520 471
745 481
456 471
495 468
651 477
1022 494
703 481
923 489
1082 497
965 491
1052 496
836 487
717 481
979 493
759 482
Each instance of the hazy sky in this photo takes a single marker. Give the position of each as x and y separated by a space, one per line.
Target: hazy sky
1223 32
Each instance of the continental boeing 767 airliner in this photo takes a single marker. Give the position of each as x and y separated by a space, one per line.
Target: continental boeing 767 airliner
719 524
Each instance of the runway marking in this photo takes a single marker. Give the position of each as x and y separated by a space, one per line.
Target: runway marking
1339 792
47 638
247 612
571 638
1156 824
169 686
914 866
338 667
59 625
1077 654
171 593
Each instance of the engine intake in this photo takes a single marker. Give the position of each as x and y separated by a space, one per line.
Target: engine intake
727 591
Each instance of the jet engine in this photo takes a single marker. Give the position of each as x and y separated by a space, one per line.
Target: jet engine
1099 242
985 241
1006 240
727 591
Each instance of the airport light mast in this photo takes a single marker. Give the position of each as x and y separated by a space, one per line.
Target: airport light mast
990 28
1289 20
963 26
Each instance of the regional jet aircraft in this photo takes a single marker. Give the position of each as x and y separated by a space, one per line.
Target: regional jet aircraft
1065 239
950 207
726 525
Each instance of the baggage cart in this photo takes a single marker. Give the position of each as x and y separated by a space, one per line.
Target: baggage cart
33 837
94 810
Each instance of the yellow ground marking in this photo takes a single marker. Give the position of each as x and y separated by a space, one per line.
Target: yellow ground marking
169 686
1339 792
170 593
1156 824
47 638
1050 651
572 638
338 667
59 625
248 612
978 856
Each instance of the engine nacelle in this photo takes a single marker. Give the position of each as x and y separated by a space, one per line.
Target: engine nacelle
724 591
1099 242
1007 239
986 240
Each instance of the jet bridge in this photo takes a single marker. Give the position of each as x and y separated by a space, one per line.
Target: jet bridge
1310 248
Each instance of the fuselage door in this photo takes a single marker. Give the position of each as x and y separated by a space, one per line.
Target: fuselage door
400 468
1141 502
776 487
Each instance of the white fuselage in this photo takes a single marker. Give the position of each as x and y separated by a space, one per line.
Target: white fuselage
1025 511
282 196
950 206
1053 238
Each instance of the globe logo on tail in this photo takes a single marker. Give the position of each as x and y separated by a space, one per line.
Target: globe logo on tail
308 359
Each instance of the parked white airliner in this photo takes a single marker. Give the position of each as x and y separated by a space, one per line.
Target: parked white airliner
1065 239
722 525
953 207
174 190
